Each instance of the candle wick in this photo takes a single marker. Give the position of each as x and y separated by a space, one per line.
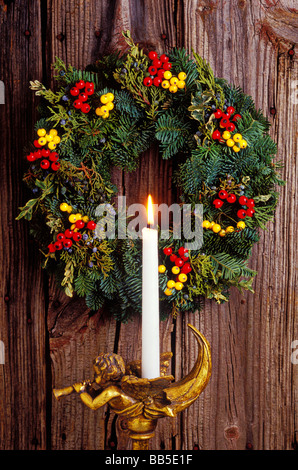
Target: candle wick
149 225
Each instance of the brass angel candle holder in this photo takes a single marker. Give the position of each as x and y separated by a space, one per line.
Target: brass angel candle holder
140 401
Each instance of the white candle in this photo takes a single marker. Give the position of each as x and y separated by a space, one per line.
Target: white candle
150 300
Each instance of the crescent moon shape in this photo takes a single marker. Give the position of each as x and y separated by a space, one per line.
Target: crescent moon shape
184 392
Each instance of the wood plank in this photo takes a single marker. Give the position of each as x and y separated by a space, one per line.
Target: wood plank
22 309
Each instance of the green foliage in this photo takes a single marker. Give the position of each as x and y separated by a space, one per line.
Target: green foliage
108 271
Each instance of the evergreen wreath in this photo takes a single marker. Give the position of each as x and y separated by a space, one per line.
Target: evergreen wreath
106 116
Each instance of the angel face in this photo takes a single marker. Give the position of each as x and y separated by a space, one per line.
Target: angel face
108 368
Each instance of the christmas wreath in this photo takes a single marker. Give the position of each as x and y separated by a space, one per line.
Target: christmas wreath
108 114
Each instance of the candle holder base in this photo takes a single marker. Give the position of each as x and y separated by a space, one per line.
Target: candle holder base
140 402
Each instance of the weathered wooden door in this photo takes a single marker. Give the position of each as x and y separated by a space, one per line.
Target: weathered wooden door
50 340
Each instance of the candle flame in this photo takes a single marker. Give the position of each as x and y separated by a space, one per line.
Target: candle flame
150 211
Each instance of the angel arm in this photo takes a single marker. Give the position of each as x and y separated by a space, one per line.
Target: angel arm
102 399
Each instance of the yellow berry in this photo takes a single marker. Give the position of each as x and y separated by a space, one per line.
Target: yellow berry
243 144
72 218
182 76
167 75
165 84
173 89
216 228
182 277
79 216
236 148
226 135
168 292
211 224
171 284
222 233
41 132
53 132
110 105
206 224
161 267
175 270
52 145
105 116
110 96
73 227
230 143
49 137
99 111
63 206
42 141
85 219
181 84
241 224
104 109
69 209
237 137
178 285
230 229
174 81
56 139
104 99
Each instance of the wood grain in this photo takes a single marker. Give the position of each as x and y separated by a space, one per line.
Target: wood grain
51 340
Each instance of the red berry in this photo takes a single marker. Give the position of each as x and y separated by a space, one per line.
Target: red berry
242 200
218 114
217 203
51 248
31 157
157 63
38 154
80 224
36 144
60 237
147 81
153 55
241 214
250 203
45 152
83 96
167 66
216 135
68 233
231 198
85 108
80 84
179 262
230 110
167 251
55 166
53 156
231 127
173 257
152 70
77 104
223 194
224 122
74 91
44 164
58 245
164 58
161 73
91 225
157 81
182 250
250 212
186 268
67 243
77 236
236 117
